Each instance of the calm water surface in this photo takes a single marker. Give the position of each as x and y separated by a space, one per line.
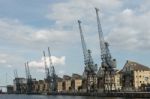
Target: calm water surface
55 97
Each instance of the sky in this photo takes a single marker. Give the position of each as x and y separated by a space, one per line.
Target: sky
28 27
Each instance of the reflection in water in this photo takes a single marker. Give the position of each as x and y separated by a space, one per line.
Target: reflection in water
54 97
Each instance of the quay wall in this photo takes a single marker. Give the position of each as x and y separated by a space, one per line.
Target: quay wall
113 94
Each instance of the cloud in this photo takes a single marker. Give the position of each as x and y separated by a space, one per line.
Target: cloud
18 34
57 61
124 27
3 58
10 60
40 70
67 13
2 61
132 31
144 6
9 66
61 73
51 35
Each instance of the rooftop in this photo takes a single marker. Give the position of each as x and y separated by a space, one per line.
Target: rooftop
131 65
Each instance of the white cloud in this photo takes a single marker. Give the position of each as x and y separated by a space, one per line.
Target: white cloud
57 61
17 34
10 60
40 70
3 58
123 38
127 12
9 66
66 13
132 31
51 35
2 61
65 30
144 6
124 27
61 73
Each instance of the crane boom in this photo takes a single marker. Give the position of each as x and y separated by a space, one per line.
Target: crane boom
17 82
29 79
88 60
26 71
105 53
46 67
52 73
15 73
50 59
29 75
83 42
108 64
101 37
90 67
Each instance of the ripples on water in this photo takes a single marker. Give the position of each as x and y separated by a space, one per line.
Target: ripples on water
55 97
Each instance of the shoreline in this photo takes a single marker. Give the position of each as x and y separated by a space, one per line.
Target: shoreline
113 94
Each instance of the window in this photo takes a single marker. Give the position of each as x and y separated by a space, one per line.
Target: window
146 78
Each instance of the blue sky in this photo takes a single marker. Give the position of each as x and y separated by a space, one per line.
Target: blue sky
27 27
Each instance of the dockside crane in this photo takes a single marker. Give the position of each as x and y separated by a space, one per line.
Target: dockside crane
47 72
17 83
108 64
53 75
90 68
29 79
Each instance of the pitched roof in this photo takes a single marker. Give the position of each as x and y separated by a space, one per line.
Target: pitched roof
59 79
66 77
131 65
76 76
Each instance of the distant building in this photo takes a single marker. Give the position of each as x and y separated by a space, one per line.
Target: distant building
89 83
117 80
134 75
76 82
84 82
20 85
35 87
10 89
41 86
59 84
66 83
100 80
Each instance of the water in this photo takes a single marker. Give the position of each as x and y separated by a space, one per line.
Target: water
55 97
